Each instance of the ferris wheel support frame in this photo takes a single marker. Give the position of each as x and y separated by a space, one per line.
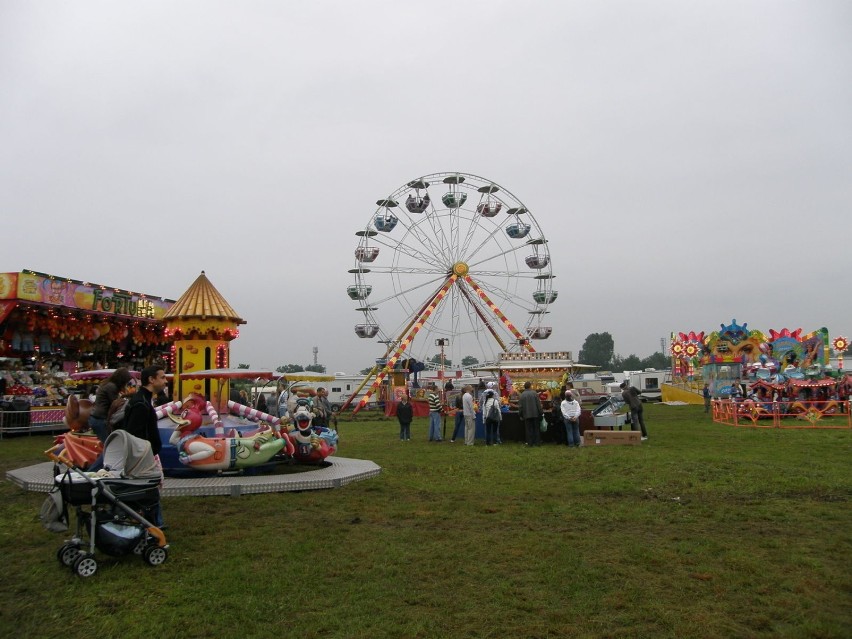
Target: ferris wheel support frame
417 325
388 350
482 317
522 340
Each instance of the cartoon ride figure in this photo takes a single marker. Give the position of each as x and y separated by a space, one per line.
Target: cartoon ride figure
79 446
236 451
312 443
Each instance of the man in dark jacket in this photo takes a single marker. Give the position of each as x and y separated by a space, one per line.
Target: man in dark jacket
530 411
140 419
631 397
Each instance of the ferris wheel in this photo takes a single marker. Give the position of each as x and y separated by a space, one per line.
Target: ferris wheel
452 257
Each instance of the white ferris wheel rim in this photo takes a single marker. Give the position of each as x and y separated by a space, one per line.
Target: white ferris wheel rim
431 244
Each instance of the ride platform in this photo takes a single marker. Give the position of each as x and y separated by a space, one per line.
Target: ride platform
340 472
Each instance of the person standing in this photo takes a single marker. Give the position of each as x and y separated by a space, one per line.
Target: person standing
706 393
491 417
404 413
434 414
631 398
322 408
459 416
469 416
107 393
283 396
738 390
570 408
530 411
141 419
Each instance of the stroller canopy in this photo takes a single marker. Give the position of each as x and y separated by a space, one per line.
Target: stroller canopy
130 456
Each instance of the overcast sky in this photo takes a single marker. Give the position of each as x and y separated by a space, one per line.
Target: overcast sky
688 162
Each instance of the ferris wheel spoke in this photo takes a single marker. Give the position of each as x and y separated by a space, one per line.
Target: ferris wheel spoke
408 291
412 270
474 224
430 251
484 243
437 239
412 226
504 297
511 250
412 251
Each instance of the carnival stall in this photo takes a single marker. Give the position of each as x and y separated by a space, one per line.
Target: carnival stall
548 374
52 326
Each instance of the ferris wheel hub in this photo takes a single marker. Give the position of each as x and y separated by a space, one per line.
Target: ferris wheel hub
461 269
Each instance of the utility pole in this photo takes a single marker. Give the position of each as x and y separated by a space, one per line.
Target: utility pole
442 343
316 352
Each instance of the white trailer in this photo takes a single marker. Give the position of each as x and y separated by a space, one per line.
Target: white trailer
342 388
650 383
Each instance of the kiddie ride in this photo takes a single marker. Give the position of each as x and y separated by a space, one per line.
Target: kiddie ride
196 438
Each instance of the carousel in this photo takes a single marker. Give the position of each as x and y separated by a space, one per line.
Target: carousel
205 430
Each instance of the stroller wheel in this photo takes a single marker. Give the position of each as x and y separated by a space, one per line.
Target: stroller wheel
85 565
155 555
67 554
139 548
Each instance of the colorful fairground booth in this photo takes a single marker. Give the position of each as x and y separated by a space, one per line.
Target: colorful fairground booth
756 376
52 327
548 374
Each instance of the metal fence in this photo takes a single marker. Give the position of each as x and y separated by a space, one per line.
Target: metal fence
783 414
17 420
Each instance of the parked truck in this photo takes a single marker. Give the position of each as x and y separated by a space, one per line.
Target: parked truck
594 387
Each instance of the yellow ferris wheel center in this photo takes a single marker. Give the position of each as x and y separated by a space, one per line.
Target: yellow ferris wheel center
461 269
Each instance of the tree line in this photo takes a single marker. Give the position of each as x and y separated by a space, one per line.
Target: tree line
599 350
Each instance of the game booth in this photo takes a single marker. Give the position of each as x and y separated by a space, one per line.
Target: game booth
548 373
52 327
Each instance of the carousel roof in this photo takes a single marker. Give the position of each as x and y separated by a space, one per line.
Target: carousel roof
203 301
762 383
231 373
812 383
101 373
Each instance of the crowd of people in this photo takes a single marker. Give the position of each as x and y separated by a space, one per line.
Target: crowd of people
528 404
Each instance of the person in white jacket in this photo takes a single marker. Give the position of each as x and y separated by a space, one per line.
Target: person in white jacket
571 416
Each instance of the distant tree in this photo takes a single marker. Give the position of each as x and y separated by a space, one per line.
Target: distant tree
315 368
631 363
243 366
657 360
436 359
469 360
290 368
597 350
366 371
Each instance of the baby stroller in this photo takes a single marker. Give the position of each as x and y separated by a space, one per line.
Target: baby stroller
114 506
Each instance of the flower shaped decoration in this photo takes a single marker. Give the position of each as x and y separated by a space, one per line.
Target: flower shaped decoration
840 343
690 350
677 349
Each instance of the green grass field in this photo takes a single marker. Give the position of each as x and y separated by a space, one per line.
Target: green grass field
703 531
